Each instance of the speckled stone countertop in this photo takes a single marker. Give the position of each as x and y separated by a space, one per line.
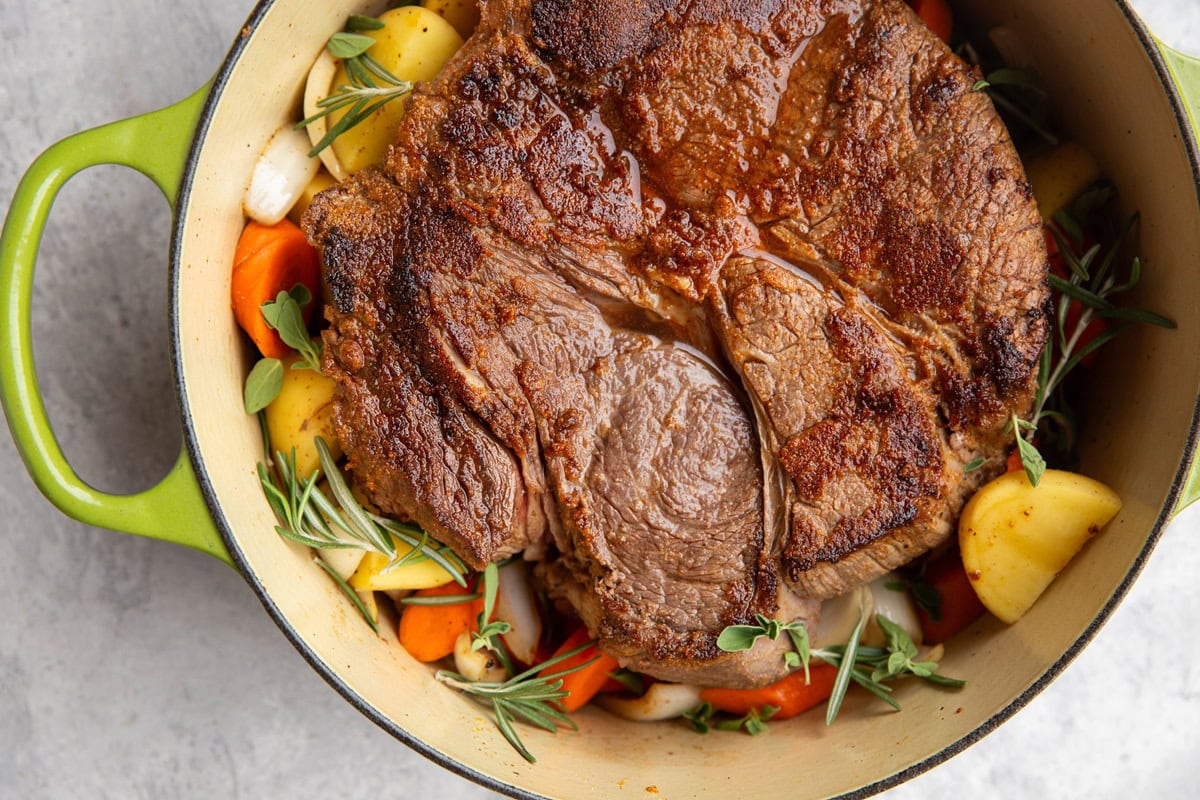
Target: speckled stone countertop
130 668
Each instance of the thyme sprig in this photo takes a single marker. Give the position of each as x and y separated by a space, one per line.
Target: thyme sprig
306 515
371 85
530 697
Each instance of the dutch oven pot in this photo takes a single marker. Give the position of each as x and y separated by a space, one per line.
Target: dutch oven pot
1140 435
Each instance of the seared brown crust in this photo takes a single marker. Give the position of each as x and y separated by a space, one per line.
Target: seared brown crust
597 202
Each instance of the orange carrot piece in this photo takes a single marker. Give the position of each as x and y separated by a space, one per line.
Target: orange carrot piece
428 632
791 695
612 685
581 685
936 14
270 259
1013 462
960 605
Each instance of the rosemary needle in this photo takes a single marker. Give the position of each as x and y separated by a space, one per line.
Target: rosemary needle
530 697
307 516
371 85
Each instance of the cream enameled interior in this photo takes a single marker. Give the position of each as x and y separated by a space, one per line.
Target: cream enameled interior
1143 396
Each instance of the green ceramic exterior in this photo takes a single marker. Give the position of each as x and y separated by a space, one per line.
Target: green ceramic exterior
1186 71
156 145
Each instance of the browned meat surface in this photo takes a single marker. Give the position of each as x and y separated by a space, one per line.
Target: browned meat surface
704 303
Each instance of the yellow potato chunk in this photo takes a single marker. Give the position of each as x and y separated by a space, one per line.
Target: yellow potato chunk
413 45
420 573
322 181
1059 176
303 411
1016 538
462 14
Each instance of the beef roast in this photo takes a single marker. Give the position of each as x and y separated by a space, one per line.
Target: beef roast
702 304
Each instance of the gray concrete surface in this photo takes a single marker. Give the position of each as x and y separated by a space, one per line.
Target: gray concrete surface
133 669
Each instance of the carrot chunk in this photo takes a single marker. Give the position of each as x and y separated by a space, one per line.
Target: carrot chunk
936 14
270 259
959 605
791 695
583 684
428 632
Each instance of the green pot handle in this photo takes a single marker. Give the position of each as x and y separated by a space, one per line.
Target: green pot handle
156 145
1185 70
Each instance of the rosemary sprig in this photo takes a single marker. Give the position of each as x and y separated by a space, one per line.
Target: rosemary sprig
371 84
306 515
1092 281
1018 93
528 697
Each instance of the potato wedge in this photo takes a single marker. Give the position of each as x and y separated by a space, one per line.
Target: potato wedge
1060 175
1016 538
302 411
417 574
413 45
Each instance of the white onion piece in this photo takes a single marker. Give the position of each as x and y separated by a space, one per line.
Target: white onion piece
279 177
896 606
839 615
317 88
516 604
661 701
343 560
476 665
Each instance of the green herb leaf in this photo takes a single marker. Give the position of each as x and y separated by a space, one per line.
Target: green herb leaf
754 723
439 600
700 717
490 628
739 637
285 314
1022 78
530 697
974 464
803 654
307 516
842 681
923 593
1031 459
630 680
360 22
371 84
349 45
262 384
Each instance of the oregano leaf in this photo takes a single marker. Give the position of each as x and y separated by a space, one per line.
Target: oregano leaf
262 384
349 45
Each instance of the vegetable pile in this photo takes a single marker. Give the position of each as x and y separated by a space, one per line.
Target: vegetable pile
492 634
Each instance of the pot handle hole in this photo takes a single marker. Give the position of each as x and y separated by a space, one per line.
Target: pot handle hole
156 145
